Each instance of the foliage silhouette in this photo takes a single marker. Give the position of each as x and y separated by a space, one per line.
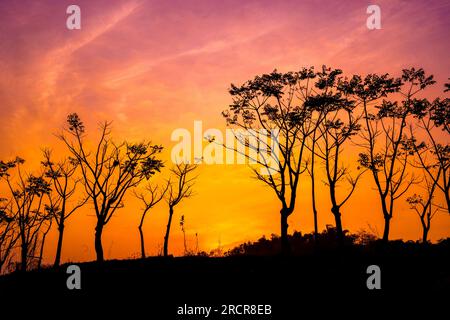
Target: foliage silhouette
337 127
270 102
8 233
110 171
62 176
386 149
26 206
432 156
402 139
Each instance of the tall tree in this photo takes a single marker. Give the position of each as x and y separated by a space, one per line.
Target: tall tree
109 171
270 109
336 123
150 198
433 154
8 231
320 100
339 126
384 137
62 176
310 167
180 187
49 223
27 202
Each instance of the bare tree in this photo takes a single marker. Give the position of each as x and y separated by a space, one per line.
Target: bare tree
433 156
424 207
273 106
337 129
109 171
310 167
8 231
335 124
8 228
62 175
150 198
321 101
49 221
179 188
384 138
27 197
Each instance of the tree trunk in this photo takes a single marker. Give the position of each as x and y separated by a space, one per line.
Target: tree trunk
23 256
44 236
316 228
166 237
98 241
41 252
313 191
141 233
59 246
313 188
337 217
387 223
285 249
387 219
447 198
425 235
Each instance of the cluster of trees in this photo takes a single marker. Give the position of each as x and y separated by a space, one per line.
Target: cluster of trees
100 176
402 138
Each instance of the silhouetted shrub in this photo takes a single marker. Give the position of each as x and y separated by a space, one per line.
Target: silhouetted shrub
300 243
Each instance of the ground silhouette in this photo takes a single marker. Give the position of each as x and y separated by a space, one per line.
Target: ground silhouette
253 273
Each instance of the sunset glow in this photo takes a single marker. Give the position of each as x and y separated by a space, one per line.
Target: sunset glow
151 67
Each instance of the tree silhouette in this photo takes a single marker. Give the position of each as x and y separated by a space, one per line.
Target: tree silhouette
8 231
434 156
49 221
424 207
320 102
62 175
335 128
27 195
310 167
150 198
275 103
384 138
109 171
179 188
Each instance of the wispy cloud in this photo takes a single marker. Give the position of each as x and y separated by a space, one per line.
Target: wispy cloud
58 58
214 46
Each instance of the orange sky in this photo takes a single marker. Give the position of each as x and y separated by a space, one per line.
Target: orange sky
154 66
